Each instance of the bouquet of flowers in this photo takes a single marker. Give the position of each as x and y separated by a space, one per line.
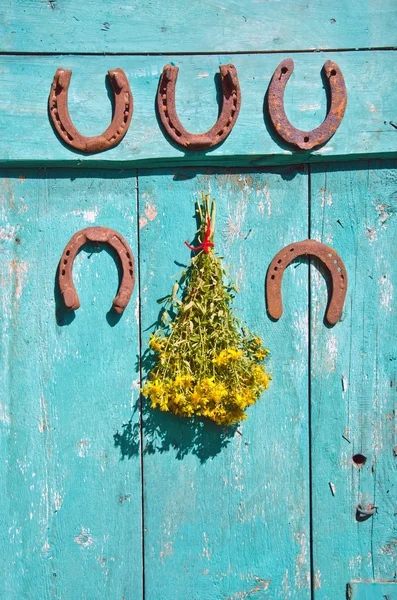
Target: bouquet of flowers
206 363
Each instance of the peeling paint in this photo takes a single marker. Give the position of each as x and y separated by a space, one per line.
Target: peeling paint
386 293
8 232
83 448
84 538
150 211
331 355
88 215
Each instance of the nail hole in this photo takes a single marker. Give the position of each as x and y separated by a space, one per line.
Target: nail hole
335 261
359 460
306 138
130 263
131 272
272 277
330 255
65 262
63 271
275 268
128 255
279 261
291 249
339 269
67 252
284 70
333 73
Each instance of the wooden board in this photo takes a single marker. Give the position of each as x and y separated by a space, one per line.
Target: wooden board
353 383
65 26
70 508
369 127
227 516
374 590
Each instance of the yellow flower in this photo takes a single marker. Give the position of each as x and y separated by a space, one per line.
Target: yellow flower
153 388
227 355
194 398
220 360
156 343
261 353
261 378
218 392
233 353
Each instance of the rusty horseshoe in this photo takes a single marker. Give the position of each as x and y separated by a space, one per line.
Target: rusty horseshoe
59 113
107 236
306 140
228 116
328 257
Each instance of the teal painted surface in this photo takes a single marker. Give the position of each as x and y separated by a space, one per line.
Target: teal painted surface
372 591
353 383
227 514
367 128
224 515
267 511
70 510
181 26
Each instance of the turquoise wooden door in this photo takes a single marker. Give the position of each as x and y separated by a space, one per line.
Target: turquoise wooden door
102 497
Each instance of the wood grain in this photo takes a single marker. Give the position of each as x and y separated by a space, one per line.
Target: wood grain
67 26
353 383
368 127
70 509
227 512
366 590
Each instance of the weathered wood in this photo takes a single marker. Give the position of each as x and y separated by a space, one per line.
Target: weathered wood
183 26
372 590
70 509
353 383
368 127
227 516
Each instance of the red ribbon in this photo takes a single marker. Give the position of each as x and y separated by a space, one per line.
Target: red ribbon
206 245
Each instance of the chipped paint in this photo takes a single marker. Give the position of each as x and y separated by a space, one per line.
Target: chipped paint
331 354
150 211
84 538
8 232
88 215
302 574
83 447
384 212
386 293
325 197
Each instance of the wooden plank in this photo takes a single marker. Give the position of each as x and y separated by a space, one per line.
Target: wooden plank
190 27
374 590
228 517
368 128
353 386
70 508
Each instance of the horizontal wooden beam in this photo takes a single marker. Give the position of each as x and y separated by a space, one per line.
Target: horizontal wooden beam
369 127
182 26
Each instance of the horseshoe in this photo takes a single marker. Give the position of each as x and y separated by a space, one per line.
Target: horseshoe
107 236
328 257
173 127
59 113
306 140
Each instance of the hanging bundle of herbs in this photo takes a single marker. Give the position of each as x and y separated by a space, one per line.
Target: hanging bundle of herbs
206 362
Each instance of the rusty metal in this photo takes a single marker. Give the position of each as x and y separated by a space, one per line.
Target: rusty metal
228 116
306 140
106 236
59 113
328 257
